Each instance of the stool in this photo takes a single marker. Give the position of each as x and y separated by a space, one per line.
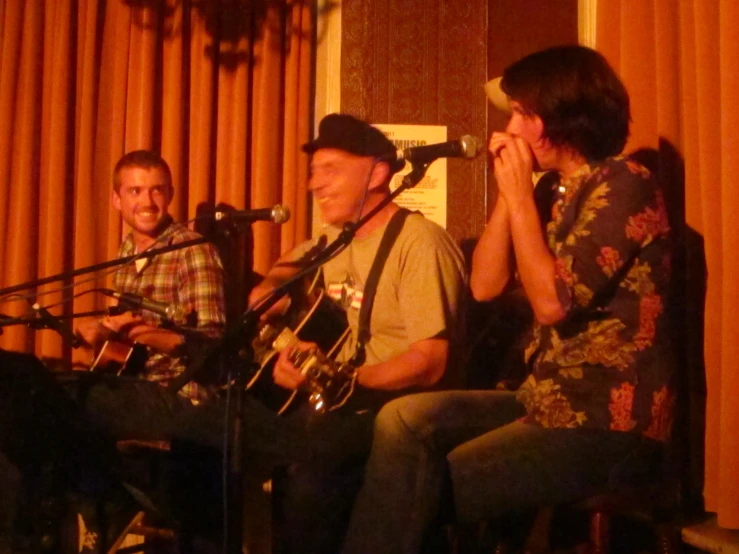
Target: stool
653 503
187 465
141 525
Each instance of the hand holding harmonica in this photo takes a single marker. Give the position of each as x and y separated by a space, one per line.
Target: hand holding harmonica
513 164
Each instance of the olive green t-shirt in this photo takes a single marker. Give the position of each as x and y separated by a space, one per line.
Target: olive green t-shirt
419 294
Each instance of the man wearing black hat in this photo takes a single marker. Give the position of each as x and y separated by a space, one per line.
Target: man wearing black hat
414 325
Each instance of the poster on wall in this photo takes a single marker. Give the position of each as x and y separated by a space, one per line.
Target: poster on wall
430 195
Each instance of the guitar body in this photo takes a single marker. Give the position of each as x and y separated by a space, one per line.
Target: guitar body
118 358
323 323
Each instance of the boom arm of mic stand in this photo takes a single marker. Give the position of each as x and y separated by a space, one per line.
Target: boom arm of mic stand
350 229
409 181
418 170
340 243
104 265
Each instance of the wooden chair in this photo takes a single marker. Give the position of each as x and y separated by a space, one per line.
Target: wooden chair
654 504
146 525
168 531
188 505
649 497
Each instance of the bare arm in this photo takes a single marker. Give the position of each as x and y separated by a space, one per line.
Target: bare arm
535 263
159 339
534 260
492 260
421 365
129 328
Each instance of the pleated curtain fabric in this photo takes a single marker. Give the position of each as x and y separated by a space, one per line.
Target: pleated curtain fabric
221 89
680 62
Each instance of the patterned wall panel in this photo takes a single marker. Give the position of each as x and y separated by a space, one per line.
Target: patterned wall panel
423 62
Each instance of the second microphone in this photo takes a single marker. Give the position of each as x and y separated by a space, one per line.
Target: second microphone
138 302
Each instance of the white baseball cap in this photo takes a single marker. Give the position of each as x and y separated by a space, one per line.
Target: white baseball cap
496 95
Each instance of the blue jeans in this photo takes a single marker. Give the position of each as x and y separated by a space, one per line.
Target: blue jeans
313 501
494 463
132 408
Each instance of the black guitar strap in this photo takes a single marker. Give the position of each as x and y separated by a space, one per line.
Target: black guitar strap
394 226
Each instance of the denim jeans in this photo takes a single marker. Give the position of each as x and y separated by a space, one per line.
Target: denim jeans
313 501
324 453
132 408
494 463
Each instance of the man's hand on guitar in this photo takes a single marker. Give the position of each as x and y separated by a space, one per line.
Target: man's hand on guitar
95 332
108 339
285 374
91 332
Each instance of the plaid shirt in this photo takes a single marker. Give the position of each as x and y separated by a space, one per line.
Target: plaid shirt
191 278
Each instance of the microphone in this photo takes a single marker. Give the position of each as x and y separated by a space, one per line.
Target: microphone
45 319
138 302
275 214
467 147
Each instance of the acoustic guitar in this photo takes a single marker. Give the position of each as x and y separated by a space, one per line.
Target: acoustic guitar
118 358
328 384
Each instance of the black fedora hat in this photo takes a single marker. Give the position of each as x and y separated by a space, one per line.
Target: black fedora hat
346 132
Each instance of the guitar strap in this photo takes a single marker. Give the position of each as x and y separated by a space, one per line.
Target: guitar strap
394 226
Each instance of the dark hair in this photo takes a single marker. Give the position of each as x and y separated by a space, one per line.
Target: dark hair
579 98
145 159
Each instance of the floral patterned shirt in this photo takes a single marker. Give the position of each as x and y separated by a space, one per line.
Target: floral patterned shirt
606 364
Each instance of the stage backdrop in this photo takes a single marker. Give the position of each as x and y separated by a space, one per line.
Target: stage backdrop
680 62
221 89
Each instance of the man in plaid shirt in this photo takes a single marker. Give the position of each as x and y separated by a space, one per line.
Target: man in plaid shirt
190 279
134 407
122 407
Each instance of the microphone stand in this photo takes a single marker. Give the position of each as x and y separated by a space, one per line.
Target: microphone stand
418 170
45 320
233 341
104 265
42 322
232 336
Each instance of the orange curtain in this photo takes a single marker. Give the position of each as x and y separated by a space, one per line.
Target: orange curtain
220 88
680 61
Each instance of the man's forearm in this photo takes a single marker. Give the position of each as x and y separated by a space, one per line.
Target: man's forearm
159 339
279 274
422 365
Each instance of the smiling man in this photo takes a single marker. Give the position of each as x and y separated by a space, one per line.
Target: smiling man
138 405
415 326
190 278
142 193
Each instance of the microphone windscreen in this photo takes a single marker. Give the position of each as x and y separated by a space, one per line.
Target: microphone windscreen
280 214
471 146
